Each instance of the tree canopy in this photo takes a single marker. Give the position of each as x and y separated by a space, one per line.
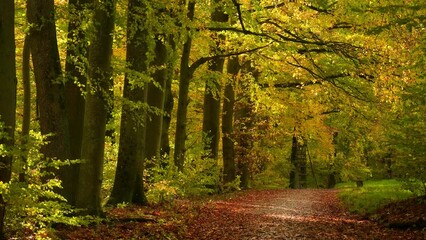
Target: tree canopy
141 101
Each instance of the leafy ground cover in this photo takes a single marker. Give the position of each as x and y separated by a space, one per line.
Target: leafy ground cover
372 196
387 202
253 214
406 214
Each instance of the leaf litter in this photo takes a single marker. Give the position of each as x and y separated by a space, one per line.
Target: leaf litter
250 214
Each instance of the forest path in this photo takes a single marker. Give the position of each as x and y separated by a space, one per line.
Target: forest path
286 214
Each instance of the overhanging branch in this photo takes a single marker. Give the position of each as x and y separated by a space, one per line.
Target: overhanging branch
203 60
240 16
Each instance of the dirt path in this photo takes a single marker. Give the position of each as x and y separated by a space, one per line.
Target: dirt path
286 214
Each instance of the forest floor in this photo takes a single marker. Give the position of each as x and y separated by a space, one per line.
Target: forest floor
258 214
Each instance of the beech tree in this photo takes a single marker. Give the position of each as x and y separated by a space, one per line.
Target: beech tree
349 75
26 115
133 118
50 87
97 104
211 109
186 74
76 74
228 140
156 97
7 98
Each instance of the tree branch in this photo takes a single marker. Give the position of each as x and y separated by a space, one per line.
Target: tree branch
203 60
288 85
240 16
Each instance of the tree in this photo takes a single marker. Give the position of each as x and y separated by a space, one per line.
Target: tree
211 110
155 91
76 73
229 168
186 74
7 97
168 108
155 100
131 152
244 122
26 115
96 108
50 87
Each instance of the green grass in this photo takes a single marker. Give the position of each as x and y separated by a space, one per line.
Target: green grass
372 196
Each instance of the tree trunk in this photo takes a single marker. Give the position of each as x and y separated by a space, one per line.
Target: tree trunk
156 100
26 119
8 94
49 86
331 179
229 169
76 72
182 110
133 116
244 125
168 101
168 108
96 108
211 110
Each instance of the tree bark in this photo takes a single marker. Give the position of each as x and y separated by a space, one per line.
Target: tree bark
96 108
49 86
26 118
211 109
133 117
168 108
229 169
186 74
156 100
244 125
168 99
8 94
76 78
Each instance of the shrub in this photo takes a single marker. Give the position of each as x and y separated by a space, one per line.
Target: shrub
33 206
199 177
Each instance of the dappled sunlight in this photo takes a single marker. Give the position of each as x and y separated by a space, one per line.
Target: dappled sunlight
313 219
286 214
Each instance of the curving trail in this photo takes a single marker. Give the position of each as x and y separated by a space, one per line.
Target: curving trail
286 214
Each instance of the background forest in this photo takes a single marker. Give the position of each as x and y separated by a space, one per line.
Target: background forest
105 102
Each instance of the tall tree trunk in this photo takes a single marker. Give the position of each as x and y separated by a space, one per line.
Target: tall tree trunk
229 169
96 108
244 124
133 116
156 100
168 108
26 119
186 75
211 109
49 86
76 72
168 99
8 94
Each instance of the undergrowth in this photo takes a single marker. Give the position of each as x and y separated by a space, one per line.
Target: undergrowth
373 195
